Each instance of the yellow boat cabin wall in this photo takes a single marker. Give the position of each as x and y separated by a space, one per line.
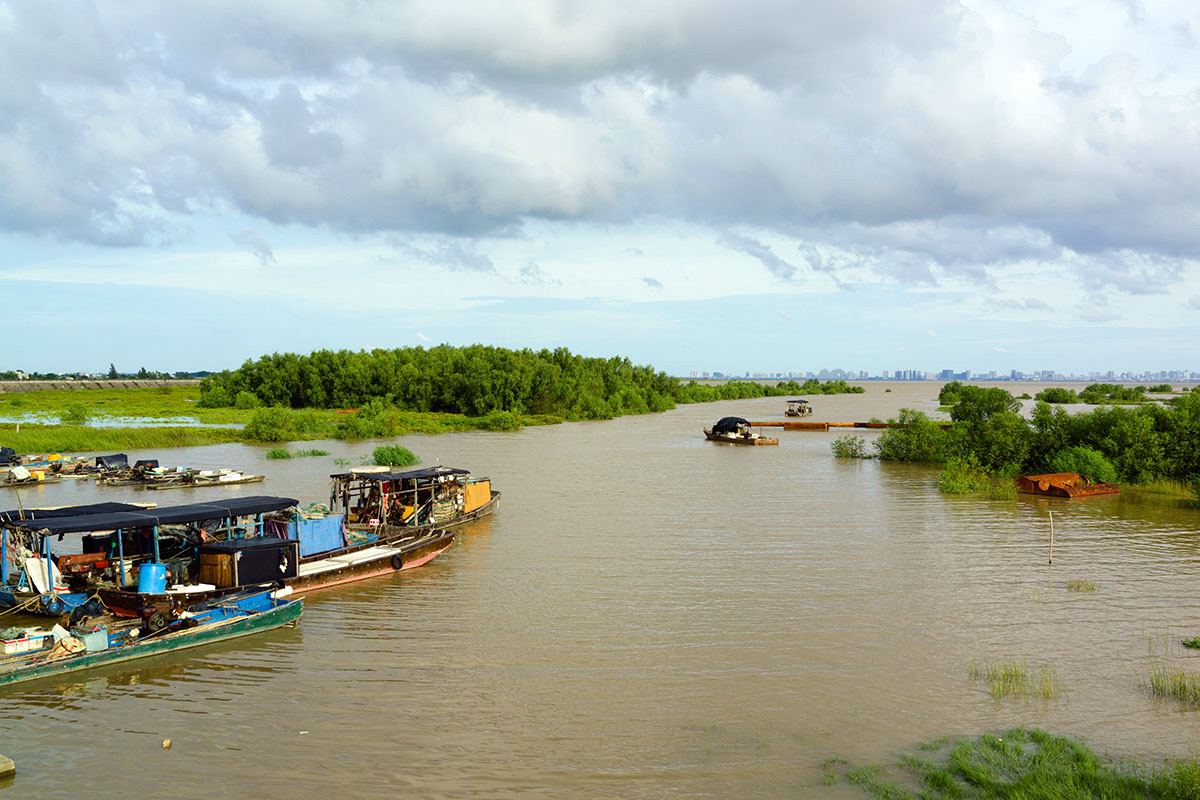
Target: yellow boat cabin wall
476 494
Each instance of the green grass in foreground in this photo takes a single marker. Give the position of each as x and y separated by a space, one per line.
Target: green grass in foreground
1026 764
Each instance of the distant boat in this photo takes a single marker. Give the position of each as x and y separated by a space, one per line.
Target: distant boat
798 408
735 430
37 653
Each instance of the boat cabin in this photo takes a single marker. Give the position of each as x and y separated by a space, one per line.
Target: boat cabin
798 408
415 497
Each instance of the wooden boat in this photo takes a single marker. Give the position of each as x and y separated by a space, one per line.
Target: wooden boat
735 430
20 476
233 552
798 408
1064 484
120 537
115 642
193 480
391 503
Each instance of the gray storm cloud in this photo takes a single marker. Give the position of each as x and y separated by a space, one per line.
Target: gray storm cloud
906 133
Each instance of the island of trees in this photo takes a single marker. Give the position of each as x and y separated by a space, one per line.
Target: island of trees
1142 444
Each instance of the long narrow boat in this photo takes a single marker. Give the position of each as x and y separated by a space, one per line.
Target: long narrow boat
228 618
391 503
735 430
208 550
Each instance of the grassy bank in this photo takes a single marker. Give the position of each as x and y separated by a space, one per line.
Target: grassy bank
1017 764
160 402
78 439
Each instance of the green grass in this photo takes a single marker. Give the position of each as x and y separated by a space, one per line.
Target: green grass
159 402
80 439
1003 490
1174 682
1166 488
310 453
1023 764
1081 586
394 456
962 477
1193 643
279 453
1015 679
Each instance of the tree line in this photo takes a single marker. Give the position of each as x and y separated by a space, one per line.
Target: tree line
475 380
1138 444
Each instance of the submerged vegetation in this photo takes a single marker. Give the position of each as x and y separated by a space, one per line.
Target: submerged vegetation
1175 682
1015 679
1020 763
1150 444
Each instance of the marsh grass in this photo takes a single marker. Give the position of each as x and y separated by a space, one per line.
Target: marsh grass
1165 488
278 453
1023 763
1165 681
1015 679
1192 644
81 439
310 453
1003 490
962 477
1081 586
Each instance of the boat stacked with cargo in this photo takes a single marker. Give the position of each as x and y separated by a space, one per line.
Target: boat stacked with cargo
114 470
735 430
150 567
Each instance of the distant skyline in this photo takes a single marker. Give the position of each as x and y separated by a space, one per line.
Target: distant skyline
891 184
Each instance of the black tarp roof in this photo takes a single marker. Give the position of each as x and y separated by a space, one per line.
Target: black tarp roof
66 511
116 461
195 512
728 424
407 475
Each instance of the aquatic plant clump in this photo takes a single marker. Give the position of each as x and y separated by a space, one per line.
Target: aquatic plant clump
279 453
1081 586
850 446
963 477
394 456
1016 680
1175 682
1022 763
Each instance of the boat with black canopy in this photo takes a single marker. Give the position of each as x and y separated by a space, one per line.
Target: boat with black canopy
798 408
735 430
395 502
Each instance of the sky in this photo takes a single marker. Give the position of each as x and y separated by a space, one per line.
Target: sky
698 185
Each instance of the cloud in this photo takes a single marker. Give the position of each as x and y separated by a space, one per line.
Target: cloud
1194 301
422 337
759 251
1022 304
633 251
652 283
784 315
452 254
255 244
534 275
913 139
930 332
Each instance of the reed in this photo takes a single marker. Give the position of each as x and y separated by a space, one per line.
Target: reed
1015 679
1081 586
1192 644
1175 682
279 453
310 453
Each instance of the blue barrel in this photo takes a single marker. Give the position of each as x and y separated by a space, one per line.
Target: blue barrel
152 578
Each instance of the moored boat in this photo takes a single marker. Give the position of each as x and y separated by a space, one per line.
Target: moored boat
798 408
735 430
394 502
37 654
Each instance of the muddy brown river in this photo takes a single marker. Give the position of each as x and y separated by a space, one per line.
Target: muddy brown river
648 614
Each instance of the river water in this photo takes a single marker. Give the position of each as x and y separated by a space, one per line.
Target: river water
648 614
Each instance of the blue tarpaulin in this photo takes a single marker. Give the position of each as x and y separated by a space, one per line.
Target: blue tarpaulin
317 535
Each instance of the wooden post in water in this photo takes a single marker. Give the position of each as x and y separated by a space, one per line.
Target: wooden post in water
1051 537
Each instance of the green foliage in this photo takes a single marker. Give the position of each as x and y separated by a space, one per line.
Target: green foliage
949 393
278 453
1026 764
1101 393
1057 394
214 397
1160 388
1003 490
916 438
76 414
269 425
850 446
960 476
246 400
394 456
80 439
501 421
310 453
1089 463
976 405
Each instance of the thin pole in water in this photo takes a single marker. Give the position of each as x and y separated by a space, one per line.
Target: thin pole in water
1051 513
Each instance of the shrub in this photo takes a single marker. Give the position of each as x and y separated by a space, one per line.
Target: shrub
279 452
500 421
76 414
1089 463
1057 394
214 397
849 446
394 456
246 400
962 476
918 438
308 453
268 425
1162 388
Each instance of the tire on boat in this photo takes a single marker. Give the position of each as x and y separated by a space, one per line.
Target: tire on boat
156 622
397 562
54 605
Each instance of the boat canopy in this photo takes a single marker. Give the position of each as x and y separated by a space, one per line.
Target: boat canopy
171 515
24 515
729 425
407 475
117 461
